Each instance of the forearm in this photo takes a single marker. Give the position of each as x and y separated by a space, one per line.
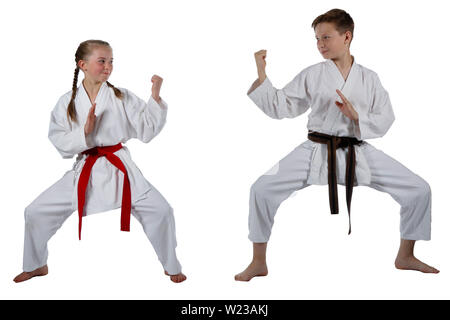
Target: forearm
261 75
275 103
370 126
156 97
68 143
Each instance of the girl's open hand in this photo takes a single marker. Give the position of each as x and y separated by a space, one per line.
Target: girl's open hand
156 87
90 121
346 107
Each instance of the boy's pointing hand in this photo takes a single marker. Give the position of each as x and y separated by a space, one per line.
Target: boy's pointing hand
346 107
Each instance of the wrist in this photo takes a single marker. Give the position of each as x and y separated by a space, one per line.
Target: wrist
261 76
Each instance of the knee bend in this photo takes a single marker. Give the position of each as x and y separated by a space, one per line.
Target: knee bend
420 192
423 189
31 214
259 189
165 211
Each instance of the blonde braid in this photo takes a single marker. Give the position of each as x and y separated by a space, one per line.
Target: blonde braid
117 92
71 111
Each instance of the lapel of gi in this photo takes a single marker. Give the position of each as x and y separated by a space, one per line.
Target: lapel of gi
345 87
99 99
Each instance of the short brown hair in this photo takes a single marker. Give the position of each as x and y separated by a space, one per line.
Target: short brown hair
341 19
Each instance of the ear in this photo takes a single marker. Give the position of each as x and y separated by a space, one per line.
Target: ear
81 64
348 36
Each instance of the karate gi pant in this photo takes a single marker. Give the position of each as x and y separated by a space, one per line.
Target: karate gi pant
46 214
387 175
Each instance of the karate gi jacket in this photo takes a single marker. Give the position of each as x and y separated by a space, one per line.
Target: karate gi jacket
314 88
117 121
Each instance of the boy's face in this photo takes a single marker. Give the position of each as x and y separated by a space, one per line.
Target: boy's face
330 43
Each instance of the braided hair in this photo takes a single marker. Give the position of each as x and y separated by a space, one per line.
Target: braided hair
84 50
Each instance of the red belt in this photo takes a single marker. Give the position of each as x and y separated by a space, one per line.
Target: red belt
93 155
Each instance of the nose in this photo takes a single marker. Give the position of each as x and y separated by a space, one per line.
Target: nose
319 44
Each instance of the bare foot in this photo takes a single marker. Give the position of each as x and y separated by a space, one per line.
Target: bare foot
177 278
24 276
255 269
412 263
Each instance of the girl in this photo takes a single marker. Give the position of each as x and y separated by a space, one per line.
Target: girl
93 121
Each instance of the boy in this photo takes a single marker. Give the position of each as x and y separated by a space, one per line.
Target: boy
335 151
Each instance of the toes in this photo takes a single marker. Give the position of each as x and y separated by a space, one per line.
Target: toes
22 277
177 278
432 270
414 264
242 277
426 268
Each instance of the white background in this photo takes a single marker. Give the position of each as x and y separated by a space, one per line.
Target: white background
216 143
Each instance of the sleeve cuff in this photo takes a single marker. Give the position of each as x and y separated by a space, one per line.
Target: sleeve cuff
257 88
159 109
161 104
82 139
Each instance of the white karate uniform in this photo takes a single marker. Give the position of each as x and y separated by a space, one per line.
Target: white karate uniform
117 121
315 88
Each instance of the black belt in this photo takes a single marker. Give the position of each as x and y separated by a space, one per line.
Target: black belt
333 143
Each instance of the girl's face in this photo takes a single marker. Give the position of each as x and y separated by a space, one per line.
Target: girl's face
330 43
99 64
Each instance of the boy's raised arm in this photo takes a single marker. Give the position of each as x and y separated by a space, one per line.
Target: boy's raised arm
288 102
